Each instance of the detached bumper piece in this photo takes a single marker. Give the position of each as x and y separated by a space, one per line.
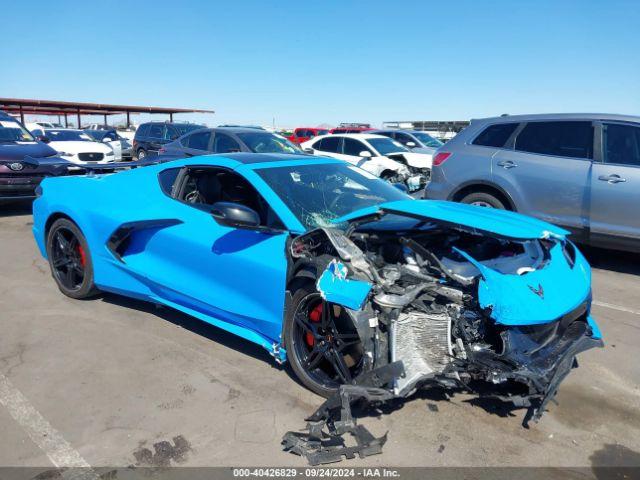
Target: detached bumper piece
324 439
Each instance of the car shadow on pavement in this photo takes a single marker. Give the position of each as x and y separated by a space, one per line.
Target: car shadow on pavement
199 327
15 209
614 260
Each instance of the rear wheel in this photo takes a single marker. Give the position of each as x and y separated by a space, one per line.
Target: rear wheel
70 260
482 199
142 154
322 344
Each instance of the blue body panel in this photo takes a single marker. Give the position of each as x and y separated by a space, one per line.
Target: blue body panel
490 220
513 299
236 279
335 287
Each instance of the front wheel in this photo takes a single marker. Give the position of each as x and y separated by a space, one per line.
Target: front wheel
323 346
70 260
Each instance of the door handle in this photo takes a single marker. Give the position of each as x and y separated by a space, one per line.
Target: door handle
613 178
507 164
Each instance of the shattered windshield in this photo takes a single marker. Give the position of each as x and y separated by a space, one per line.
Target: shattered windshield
317 194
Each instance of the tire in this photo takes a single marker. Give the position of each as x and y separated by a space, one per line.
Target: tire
70 262
483 199
296 343
142 154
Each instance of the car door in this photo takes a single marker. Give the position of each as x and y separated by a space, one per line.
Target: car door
546 170
114 142
157 133
330 146
198 143
615 184
219 273
223 143
351 149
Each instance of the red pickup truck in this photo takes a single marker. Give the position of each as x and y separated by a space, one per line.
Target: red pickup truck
302 134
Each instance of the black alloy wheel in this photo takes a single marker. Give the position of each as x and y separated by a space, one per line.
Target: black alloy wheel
70 259
322 344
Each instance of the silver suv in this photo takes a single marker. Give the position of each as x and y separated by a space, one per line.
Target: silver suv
580 171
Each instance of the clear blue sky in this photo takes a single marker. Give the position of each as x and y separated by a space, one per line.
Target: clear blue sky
328 61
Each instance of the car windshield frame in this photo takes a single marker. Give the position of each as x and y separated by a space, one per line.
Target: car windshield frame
429 141
387 144
251 140
318 193
21 134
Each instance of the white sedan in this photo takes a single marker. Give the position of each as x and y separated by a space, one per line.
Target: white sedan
78 147
376 154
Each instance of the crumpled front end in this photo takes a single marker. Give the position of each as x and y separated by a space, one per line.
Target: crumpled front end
462 308
497 308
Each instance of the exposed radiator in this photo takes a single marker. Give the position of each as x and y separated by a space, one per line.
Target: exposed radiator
422 342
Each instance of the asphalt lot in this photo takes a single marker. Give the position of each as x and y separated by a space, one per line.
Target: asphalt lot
105 380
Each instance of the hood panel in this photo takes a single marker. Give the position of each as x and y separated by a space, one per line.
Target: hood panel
536 297
80 147
20 150
500 223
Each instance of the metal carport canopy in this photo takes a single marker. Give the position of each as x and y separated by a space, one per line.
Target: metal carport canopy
24 106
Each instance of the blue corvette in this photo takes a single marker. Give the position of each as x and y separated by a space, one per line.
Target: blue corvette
332 269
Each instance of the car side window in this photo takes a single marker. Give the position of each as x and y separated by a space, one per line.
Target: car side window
621 144
328 144
156 130
169 133
198 141
403 138
353 147
167 179
223 143
203 187
143 130
301 133
495 135
572 139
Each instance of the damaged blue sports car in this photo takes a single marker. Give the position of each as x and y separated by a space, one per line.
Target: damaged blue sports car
328 267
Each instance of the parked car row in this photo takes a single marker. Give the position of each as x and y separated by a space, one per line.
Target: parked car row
24 161
377 154
89 145
574 170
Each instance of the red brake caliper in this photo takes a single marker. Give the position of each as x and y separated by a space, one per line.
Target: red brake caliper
314 315
83 259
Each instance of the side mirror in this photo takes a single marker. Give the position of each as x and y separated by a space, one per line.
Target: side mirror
44 139
235 215
106 140
308 150
365 154
410 144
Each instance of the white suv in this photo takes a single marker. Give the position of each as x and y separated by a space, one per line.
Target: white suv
376 154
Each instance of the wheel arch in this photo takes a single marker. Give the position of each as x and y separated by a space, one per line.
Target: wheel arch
484 187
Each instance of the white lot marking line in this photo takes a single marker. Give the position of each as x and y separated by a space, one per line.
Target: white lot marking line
47 438
616 307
